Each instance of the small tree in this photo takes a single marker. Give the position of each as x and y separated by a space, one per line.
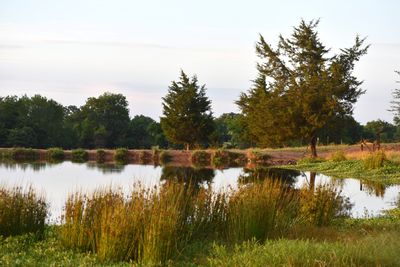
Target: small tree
299 88
187 116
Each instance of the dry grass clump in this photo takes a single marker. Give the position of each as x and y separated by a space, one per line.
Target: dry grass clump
258 156
100 155
20 154
79 155
22 211
164 157
375 160
338 156
151 226
222 157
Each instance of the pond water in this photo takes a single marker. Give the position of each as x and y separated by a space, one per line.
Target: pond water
57 181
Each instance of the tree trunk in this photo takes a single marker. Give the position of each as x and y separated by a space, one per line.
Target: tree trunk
313 146
312 180
187 146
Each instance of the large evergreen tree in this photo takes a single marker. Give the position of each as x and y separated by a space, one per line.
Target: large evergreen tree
187 116
299 88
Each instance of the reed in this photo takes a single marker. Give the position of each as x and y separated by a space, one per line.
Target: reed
338 156
55 154
375 160
79 155
22 211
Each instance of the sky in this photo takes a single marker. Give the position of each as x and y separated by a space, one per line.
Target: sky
69 50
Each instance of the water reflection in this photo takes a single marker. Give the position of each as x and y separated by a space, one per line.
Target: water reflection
58 180
196 177
260 174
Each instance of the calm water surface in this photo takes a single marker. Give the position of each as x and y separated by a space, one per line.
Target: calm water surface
57 181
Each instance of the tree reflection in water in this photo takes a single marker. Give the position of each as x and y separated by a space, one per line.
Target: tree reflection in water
372 187
263 173
195 177
106 167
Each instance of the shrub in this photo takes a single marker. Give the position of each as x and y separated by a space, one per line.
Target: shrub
375 160
338 156
258 156
55 153
79 155
164 157
121 155
21 154
223 157
200 157
100 155
21 211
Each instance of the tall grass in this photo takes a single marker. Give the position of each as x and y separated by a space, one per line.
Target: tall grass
375 160
148 226
224 157
338 156
21 211
151 226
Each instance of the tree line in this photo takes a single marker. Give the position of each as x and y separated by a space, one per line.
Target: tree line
303 94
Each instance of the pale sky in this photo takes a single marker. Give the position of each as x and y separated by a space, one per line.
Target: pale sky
69 50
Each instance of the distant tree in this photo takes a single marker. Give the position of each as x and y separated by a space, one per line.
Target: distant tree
299 88
230 129
187 117
103 121
144 132
381 131
341 129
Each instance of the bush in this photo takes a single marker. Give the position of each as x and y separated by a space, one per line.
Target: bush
121 155
21 154
79 155
21 211
200 158
164 157
375 160
338 156
258 156
223 157
55 153
100 155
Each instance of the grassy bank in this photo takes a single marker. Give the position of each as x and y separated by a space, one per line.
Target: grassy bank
377 167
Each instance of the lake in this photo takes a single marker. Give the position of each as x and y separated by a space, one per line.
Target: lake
57 180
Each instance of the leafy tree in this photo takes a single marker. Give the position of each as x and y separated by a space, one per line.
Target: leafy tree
229 128
187 116
299 88
104 121
341 129
380 131
144 132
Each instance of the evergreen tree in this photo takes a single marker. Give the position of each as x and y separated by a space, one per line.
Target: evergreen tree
396 104
299 88
187 116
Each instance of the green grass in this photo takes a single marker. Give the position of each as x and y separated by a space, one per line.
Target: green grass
387 175
379 250
24 154
21 211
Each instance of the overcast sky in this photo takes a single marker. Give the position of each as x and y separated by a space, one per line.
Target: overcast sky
70 50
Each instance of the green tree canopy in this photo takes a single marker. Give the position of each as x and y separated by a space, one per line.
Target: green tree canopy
299 88
187 117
